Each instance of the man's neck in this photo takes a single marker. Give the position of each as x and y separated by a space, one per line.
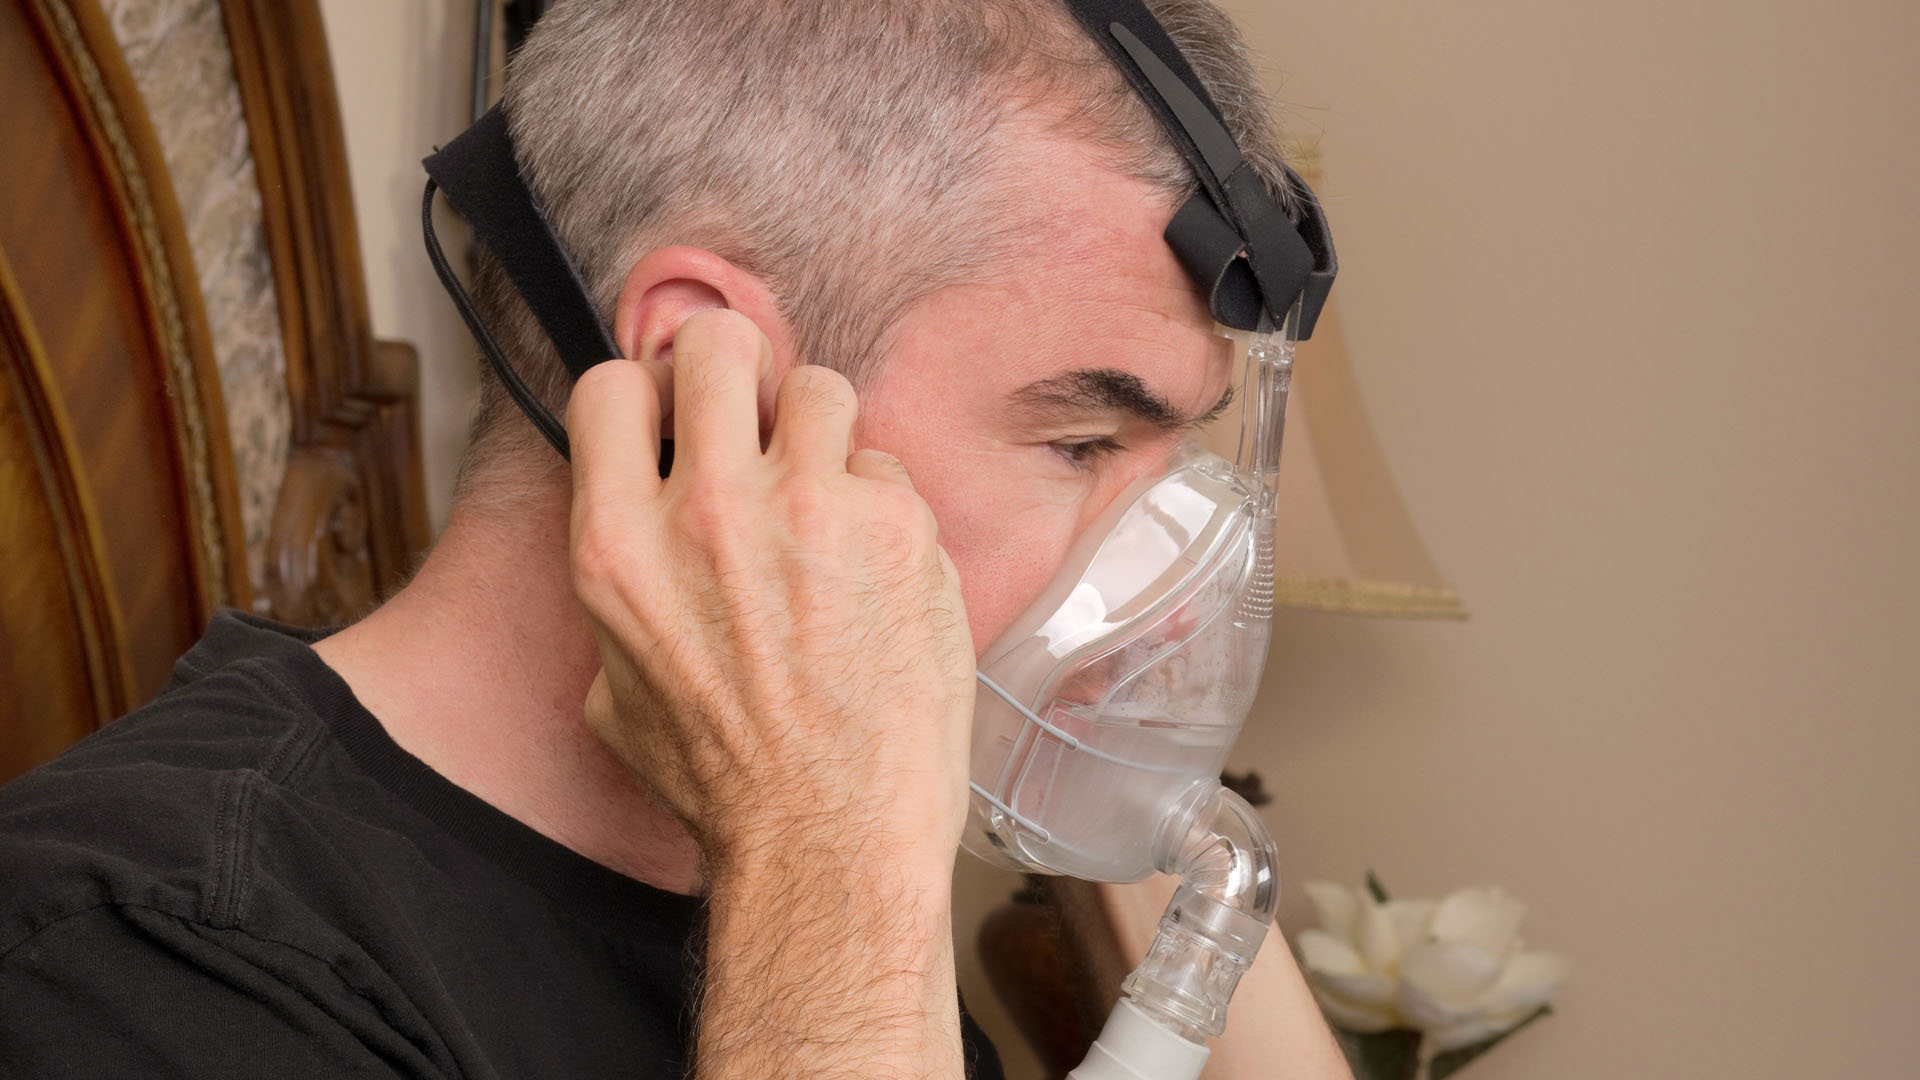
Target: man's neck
480 668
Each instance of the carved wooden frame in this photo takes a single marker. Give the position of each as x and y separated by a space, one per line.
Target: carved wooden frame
89 623
351 516
118 467
121 522
130 154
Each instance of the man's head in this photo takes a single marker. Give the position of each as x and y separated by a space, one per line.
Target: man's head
958 204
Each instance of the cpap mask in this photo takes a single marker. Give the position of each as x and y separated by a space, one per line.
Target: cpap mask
1106 710
1123 685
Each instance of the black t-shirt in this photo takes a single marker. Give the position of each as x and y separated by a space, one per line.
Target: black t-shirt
247 877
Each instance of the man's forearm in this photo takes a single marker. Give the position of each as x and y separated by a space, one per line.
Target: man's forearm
819 970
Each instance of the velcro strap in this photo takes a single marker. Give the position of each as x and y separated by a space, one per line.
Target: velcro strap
1278 259
1210 250
1281 260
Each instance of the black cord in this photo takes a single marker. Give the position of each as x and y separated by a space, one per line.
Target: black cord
549 427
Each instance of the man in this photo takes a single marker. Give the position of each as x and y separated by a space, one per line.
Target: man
892 276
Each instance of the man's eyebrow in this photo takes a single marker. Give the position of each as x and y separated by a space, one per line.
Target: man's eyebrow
1110 390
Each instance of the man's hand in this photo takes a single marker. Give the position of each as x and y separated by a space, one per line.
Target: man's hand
786 662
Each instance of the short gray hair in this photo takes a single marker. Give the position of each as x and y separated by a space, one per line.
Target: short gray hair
845 151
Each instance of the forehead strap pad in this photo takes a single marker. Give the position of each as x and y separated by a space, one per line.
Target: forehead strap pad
1250 256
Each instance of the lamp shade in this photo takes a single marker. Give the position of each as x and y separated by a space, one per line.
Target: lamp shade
1344 541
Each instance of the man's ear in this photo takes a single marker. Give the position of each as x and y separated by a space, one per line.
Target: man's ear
667 286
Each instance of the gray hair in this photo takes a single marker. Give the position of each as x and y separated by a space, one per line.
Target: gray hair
845 151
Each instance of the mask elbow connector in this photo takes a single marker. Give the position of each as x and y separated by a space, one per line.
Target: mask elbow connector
1220 850
1177 998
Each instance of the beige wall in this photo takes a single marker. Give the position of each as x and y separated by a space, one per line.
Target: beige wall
403 70
1630 290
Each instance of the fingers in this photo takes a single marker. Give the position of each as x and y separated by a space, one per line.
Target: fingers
720 358
600 707
613 424
813 419
878 465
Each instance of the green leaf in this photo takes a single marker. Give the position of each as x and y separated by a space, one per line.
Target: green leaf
1445 1065
1378 890
1382 1055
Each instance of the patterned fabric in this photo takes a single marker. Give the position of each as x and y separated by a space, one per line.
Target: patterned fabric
181 62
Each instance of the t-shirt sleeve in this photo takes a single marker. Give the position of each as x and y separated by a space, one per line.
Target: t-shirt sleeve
120 991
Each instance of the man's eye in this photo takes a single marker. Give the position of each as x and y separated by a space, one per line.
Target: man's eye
1087 453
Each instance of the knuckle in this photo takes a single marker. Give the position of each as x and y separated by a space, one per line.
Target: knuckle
925 523
707 512
880 466
806 500
618 376
909 512
811 393
599 554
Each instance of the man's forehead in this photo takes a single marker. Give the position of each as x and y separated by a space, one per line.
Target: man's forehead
1085 283
1076 213
1102 280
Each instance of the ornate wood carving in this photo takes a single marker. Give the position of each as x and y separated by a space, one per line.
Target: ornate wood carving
322 569
354 400
104 282
61 656
119 529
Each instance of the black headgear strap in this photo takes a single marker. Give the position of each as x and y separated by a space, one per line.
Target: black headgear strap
480 177
1250 257
1232 215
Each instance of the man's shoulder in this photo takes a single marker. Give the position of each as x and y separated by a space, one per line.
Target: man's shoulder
154 810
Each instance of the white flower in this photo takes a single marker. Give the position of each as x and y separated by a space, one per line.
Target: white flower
1455 969
1353 959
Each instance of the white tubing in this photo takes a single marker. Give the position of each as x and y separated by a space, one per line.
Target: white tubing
1134 1046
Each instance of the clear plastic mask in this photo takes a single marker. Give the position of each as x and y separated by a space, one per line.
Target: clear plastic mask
1131 675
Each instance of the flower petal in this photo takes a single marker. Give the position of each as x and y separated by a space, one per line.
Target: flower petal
1333 964
1373 934
1411 921
1488 917
1452 971
1529 980
1443 984
1322 952
1468 1032
1356 1016
1336 906
1378 991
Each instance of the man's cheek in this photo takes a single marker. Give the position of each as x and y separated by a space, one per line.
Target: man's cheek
1005 528
1003 567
